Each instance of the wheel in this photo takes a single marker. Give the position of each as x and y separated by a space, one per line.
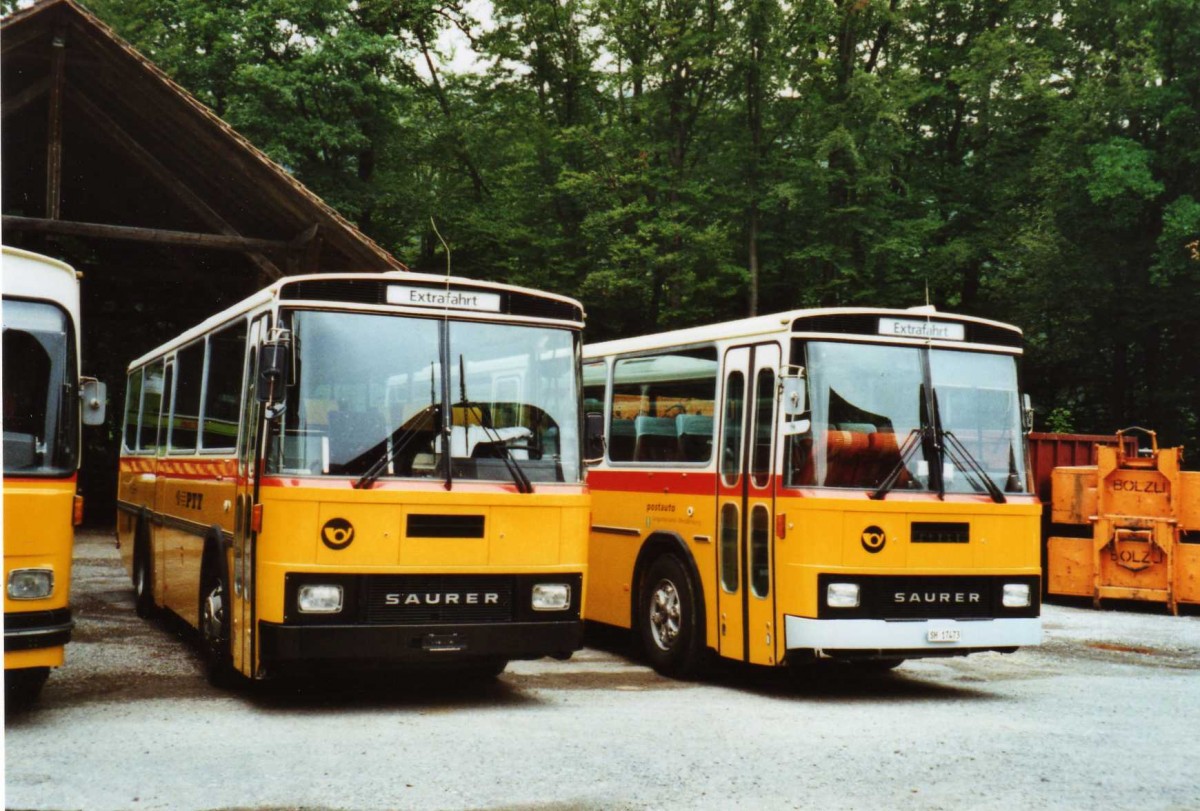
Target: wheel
669 619
214 630
143 578
22 686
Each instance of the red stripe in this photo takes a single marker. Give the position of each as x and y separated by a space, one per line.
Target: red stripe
701 483
412 486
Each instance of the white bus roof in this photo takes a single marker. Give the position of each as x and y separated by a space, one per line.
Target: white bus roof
272 293
26 274
773 324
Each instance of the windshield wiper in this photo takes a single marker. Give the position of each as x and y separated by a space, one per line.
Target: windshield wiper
968 464
907 449
411 431
485 422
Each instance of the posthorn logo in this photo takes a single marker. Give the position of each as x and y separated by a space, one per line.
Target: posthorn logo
337 533
873 539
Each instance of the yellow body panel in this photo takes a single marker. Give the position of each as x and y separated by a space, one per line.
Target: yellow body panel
38 533
545 531
821 535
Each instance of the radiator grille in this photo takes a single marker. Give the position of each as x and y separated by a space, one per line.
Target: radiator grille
438 599
906 597
940 532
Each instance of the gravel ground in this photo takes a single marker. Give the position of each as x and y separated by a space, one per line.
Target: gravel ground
1105 715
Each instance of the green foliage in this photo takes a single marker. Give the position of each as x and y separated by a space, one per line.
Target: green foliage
674 162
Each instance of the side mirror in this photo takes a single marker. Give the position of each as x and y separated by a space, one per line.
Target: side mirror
794 393
274 367
593 437
93 395
1026 413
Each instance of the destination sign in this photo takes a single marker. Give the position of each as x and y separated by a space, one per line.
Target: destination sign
927 330
443 299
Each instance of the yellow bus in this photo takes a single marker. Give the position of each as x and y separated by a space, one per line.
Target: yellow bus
42 394
832 483
362 470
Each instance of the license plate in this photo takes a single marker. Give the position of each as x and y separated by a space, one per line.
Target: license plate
943 635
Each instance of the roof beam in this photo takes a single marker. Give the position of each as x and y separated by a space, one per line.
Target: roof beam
183 239
26 97
190 199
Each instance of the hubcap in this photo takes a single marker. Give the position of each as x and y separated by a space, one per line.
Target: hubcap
214 613
665 615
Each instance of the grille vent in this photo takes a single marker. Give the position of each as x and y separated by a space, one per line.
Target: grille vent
940 532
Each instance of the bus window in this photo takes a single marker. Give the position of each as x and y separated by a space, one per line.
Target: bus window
662 407
729 548
731 434
133 406
223 390
152 397
190 365
764 411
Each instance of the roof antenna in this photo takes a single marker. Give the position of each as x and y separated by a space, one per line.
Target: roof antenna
447 247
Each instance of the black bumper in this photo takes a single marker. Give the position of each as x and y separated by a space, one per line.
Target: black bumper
32 630
416 644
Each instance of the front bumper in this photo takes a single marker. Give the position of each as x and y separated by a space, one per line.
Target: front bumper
282 644
909 638
32 630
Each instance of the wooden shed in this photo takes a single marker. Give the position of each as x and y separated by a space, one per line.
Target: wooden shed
168 212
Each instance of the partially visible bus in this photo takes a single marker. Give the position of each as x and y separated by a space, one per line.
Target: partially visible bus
42 396
361 471
836 483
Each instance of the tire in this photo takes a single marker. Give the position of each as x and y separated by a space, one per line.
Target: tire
214 629
23 686
143 576
669 620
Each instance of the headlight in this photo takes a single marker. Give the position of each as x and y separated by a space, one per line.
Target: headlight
1016 595
842 595
30 584
551 597
319 599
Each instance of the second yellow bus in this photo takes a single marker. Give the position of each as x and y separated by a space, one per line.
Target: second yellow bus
842 483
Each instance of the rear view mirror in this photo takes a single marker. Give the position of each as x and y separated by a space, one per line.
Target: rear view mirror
93 396
794 393
593 437
274 367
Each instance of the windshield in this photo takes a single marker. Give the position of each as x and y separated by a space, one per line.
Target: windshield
40 398
868 404
371 388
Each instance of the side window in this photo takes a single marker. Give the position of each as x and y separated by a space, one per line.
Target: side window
164 414
731 434
133 403
764 421
189 371
729 547
662 407
593 387
223 391
152 397
760 551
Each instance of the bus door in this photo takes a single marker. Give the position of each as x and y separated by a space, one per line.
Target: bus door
242 601
746 506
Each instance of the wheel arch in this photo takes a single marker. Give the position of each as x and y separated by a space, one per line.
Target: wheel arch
668 543
214 555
